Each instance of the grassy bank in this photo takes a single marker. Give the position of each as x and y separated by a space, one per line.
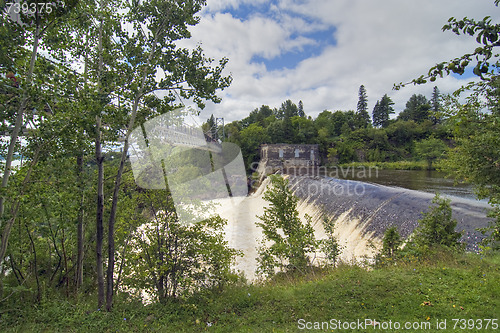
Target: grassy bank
449 286
400 165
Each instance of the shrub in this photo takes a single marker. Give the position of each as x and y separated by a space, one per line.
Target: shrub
437 228
291 240
391 242
330 246
492 240
170 259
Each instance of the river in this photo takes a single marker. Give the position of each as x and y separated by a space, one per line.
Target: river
420 180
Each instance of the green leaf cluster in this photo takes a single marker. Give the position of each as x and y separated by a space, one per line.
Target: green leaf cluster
437 228
287 241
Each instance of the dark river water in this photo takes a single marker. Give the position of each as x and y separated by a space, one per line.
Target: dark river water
420 180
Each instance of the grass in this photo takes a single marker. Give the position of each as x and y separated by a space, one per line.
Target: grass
399 165
461 286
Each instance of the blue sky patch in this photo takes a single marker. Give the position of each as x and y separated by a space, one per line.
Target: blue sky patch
246 10
468 74
290 59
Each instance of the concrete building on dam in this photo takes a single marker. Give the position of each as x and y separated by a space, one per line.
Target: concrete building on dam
287 157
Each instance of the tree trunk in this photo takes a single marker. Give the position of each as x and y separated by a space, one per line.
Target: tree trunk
100 177
19 121
116 190
66 270
35 265
99 216
80 249
79 229
14 211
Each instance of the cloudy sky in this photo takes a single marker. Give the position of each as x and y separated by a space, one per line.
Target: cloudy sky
321 51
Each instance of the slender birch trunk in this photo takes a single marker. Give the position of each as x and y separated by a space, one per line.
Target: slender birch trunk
112 214
100 178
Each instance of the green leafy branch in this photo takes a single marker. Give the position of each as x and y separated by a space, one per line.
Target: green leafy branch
486 60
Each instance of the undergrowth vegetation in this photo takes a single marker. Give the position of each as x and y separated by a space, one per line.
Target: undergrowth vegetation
445 285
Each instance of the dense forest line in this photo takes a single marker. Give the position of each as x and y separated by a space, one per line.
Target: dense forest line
422 131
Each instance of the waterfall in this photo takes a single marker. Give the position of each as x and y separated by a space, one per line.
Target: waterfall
373 208
361 213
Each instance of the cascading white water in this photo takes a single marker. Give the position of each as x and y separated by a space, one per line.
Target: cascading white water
361 213
243 234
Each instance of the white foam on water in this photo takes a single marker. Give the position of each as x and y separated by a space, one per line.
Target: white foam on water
242 233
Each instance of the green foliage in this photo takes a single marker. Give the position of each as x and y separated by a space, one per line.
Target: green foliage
330 246
287 241
342 136
300 111
288 109
391 252
492 232
275 131
431 150
437 228
400 165
382 111
344 151
476 155
402 133
169 259
258 116
233 132
409 292
391 242
435 112
417 109
117 85
304 130
250 140
362 108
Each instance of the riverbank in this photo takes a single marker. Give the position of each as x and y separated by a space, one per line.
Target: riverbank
399 165
446 290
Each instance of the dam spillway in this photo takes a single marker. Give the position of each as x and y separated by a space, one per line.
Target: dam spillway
361 212
377 207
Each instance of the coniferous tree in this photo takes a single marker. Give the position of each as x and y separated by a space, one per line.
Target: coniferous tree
301 112
391 242
381 111
288 109
377 118
435 99
362 109
435 105
386 109
213 130
417 109
209 128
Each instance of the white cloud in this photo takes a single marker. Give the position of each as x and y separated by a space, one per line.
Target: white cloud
378 44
